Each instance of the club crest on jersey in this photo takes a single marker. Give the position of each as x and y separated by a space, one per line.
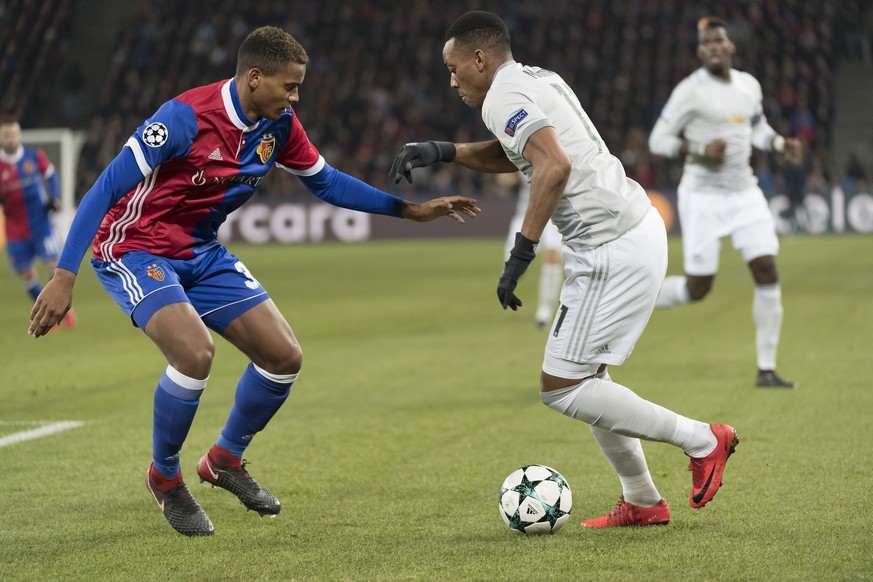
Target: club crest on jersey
266 147
513 122
155 272
29 167
155 134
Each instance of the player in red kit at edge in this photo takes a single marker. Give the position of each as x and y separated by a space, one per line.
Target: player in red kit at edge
29 193
156 210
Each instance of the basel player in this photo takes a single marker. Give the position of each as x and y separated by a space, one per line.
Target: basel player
156 210
614 254
713 118
29 193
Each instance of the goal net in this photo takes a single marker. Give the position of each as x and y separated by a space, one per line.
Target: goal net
62 146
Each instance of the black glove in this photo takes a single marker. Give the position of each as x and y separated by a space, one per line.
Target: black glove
418 155
520 257
52 205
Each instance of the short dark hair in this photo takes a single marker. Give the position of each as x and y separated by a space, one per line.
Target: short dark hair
710 22
8 118
269 49
481 28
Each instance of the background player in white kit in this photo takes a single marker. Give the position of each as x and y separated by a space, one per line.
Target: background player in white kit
549 251
713 118
614 254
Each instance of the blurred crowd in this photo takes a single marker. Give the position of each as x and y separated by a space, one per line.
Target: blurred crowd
376 77
31 49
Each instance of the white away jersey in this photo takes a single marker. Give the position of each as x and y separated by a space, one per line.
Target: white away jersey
703 108
600 203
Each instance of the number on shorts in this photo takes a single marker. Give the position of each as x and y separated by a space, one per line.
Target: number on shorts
563 309
251 282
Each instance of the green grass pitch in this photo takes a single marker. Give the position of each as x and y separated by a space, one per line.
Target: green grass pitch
418 396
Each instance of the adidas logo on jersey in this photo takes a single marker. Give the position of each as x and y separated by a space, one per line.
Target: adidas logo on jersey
216 155
602 350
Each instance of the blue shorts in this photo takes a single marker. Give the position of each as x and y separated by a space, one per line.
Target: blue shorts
23 252
215 283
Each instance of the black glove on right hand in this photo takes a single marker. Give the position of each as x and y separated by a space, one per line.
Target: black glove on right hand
52 205
418 155
520 258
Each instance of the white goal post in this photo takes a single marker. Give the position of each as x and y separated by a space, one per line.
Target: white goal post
62 146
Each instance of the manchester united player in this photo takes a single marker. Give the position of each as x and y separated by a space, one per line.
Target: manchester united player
713 118
614 254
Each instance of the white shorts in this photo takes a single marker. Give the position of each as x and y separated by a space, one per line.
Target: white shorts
550 239
607 299
708 217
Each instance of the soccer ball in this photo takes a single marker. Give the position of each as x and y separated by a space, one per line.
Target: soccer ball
535 499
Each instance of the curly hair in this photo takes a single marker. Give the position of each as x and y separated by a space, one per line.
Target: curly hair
269 49
484 29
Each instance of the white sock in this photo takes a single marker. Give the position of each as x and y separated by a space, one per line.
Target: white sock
767 313
625 454
674 291
551 276
604 404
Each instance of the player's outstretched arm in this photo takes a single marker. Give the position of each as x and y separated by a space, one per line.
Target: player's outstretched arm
119 177
53 303
484 156
345 191
451 206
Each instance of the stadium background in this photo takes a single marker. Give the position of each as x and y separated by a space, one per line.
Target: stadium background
419 392
376 80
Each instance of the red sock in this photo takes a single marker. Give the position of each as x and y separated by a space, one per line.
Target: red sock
223 458
162 483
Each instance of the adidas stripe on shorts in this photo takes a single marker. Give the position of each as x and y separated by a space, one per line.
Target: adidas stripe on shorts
607 299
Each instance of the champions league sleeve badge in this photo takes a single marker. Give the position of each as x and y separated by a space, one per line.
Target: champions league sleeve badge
155 134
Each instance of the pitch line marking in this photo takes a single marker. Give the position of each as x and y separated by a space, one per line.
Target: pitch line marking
35 433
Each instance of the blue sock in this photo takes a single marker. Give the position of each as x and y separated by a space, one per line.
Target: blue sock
176 403
257 400
34 288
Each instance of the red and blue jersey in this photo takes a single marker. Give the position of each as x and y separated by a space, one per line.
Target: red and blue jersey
197 159
23 194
